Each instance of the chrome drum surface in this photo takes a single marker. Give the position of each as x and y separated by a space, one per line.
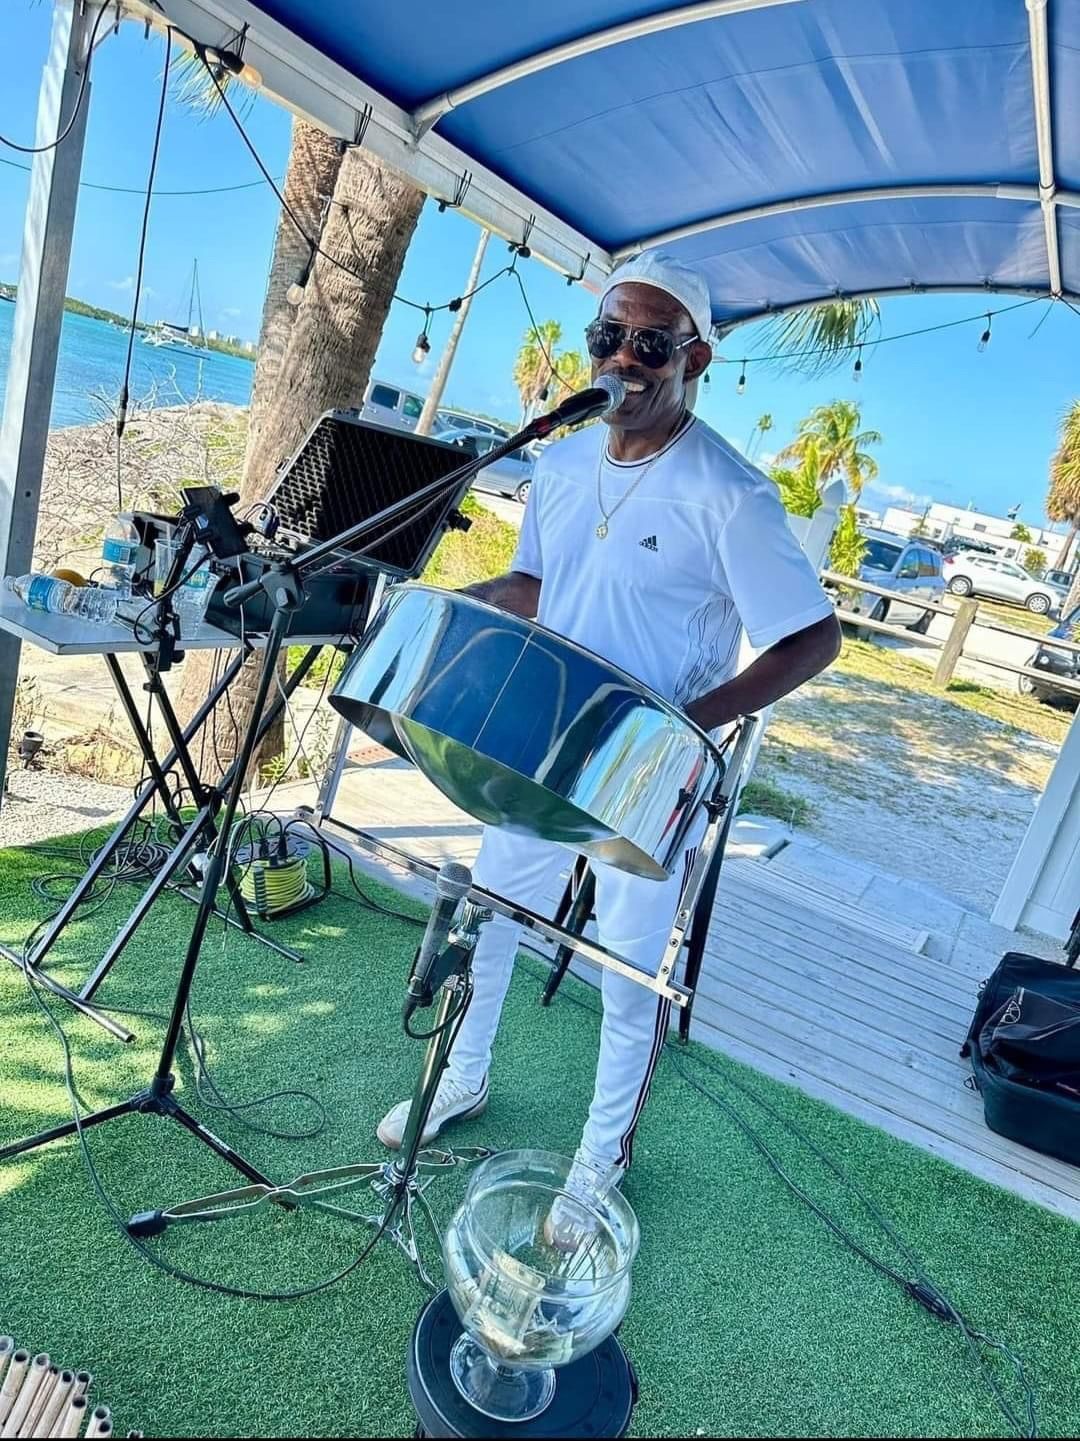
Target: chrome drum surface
523 729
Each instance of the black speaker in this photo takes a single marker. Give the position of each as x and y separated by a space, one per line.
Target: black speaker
347 470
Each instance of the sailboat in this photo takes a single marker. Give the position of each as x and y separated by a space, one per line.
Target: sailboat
181 337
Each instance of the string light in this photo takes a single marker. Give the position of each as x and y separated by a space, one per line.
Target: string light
984 338
856 373
423 344
295 293
740 388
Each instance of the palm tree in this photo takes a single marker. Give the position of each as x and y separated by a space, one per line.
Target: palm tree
572 372
532 368
816 339
834 430
800 490
1063 497
321 325
762 426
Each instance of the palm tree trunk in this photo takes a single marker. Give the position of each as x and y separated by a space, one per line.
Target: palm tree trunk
438 384
314 162
1063 554
326 352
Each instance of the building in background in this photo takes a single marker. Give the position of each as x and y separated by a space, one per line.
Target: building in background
949 522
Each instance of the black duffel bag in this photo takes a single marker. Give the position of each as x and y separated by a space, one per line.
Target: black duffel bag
1024 1048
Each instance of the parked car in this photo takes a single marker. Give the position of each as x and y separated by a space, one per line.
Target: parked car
1062 578
461 420
1054 662
972 574
910 567
957 543
512 475
391 405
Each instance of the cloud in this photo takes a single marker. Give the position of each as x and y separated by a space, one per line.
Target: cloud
232 312
900 494
128 283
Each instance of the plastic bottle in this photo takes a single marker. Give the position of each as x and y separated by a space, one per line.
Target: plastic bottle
60 597
193 597
118 552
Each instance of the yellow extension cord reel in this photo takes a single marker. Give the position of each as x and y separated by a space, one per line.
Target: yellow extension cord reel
274 876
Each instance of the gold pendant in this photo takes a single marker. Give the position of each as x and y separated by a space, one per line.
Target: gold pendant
601 530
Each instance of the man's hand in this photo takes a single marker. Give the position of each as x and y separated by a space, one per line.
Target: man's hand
517 592
775 673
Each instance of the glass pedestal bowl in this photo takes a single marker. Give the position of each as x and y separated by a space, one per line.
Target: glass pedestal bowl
537 1261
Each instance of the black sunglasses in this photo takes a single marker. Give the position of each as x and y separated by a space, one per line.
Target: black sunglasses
651 347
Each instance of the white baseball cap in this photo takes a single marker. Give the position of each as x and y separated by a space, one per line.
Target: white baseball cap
664 272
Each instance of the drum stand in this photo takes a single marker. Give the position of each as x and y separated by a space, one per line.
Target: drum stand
399 1185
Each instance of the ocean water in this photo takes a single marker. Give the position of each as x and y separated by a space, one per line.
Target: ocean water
91 367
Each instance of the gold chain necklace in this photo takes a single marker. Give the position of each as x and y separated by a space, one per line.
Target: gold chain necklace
602 528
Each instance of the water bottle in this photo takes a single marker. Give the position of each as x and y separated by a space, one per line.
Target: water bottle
193 597
60 597
118 552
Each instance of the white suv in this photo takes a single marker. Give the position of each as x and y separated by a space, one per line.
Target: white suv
970 573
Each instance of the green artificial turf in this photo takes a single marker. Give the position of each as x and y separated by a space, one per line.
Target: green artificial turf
748 1318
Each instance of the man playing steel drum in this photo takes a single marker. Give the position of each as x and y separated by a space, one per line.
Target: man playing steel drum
654 544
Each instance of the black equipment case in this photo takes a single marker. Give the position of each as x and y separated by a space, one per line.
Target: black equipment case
1024 1048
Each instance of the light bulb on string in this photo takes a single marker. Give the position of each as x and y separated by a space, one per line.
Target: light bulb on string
856 373
984 338
740 388
295 293
422 348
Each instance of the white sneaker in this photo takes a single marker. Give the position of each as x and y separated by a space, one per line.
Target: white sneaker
568 1224
453 1102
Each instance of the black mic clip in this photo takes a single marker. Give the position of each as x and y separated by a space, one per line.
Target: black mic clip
448 961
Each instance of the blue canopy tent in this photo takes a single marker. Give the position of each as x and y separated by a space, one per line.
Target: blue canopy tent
797 150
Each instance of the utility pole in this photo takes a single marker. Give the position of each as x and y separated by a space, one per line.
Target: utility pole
446 360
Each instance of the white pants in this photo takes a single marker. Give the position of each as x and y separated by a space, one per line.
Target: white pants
634 918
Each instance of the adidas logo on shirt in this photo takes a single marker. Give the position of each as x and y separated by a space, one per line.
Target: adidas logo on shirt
649 543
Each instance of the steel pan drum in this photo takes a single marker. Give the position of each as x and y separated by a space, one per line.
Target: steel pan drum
526 730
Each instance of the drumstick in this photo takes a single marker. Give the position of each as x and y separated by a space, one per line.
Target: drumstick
35 1374
41 1400
13 1381
82 1382
56 1404
72 1418
100 1422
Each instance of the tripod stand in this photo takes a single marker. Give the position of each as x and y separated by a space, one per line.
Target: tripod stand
400 1185
156 1098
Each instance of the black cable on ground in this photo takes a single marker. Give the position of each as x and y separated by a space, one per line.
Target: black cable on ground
918 1286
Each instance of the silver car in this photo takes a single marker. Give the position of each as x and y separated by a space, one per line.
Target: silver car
969 573
511 475
911 568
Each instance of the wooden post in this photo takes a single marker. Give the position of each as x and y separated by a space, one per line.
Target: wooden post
953 648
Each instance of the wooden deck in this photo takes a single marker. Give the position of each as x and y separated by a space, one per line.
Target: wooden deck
867 1026
822 1000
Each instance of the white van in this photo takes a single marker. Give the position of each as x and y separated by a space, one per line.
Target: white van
387 404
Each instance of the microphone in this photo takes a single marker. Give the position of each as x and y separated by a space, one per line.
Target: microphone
608 393
452 882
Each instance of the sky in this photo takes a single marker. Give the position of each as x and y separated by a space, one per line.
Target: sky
958 426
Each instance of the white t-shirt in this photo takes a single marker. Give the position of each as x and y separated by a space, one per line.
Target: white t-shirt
699 550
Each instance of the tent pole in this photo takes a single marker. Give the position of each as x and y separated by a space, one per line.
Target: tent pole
39 312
